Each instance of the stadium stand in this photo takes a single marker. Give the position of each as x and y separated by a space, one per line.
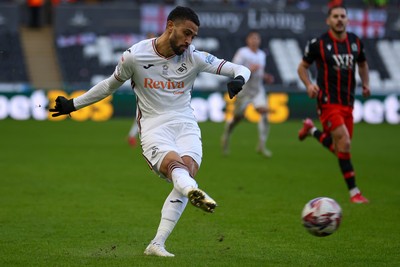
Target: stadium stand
87 52
389 51
12 62
287 55
85 56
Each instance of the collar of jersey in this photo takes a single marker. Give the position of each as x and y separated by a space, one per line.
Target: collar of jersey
154 42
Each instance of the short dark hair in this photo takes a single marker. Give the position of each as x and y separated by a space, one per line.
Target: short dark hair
334 7
184 13
251 32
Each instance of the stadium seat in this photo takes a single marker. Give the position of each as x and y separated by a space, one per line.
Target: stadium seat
12 61
389 51
287 56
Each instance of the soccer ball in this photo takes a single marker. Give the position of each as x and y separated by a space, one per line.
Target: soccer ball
321 216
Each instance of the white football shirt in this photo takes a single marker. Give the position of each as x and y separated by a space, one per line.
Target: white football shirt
163 86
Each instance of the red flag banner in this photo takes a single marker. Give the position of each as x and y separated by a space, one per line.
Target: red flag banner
154 18
367 23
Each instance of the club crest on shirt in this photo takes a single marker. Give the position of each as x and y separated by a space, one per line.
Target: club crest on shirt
329 46
354 47
182 69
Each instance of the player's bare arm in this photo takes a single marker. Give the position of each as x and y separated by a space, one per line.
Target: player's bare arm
363 71
302 70
254 67
269 78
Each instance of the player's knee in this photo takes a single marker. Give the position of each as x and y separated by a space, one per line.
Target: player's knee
344 144
191 164
347 146
174 165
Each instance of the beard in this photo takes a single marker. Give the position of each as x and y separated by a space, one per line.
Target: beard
178 50
339 29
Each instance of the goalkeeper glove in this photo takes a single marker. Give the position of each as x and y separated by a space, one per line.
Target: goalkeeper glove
63 106
235 86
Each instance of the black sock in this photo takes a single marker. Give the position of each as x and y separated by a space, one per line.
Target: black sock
324 138
347 170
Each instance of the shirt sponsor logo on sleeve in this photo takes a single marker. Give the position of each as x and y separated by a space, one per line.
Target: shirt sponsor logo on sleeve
210 59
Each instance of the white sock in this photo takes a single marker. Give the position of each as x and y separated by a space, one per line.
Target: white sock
227 129
312 130
134 129
164 230
354 191
172 210
183 183
263 130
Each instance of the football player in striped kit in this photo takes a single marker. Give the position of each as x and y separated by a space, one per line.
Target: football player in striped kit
336 54
162 71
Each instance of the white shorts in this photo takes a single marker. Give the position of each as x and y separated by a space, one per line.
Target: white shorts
243 99
183 138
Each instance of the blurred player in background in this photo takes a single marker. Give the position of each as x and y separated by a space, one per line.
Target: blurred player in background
162 72
253 92
133 133
336 54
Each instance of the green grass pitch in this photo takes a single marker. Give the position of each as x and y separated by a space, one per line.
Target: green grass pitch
75 194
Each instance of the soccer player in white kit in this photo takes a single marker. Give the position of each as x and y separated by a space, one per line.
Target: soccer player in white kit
162 72
253 92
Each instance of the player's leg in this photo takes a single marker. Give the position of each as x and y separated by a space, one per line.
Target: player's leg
133 132
238 114
342 143
177 171
260 102
177 157
190 149
172 210
159 154
185 188
174 168
323 137
184 183
263 127
175 153
228 129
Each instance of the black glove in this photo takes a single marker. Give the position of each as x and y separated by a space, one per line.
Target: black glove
235 86
63 106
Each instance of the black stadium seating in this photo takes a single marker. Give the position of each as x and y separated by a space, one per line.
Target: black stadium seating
12 62
80 63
